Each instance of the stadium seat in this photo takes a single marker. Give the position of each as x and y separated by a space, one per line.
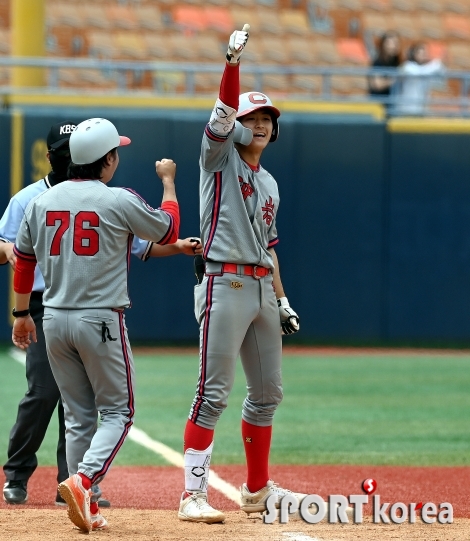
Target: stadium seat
430 26
276 84
207 83
4 76
68 77
311 84
272 4
348 85
458 54
183 47
457 6
456 26
5 41
326 51
219 3
403 5
64 14
295 22
433 6
130 45
95 16
301 50
97 79
242 15
158 47
101 45
248 82
162 4
243 3
148 17
353 51
269 21
382 6
254 53
121 17
210 48
274 50
406 25
169 82
350 5
375 23
189 18
219 19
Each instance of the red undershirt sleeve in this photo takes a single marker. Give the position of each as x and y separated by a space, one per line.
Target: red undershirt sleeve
230 86
24 275
173 209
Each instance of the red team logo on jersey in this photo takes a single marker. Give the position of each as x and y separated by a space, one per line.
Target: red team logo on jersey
246 188
268 210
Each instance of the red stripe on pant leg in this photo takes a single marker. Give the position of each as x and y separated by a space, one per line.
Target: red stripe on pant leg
205 336
130 402
215 211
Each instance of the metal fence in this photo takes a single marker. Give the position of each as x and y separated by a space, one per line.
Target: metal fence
446 94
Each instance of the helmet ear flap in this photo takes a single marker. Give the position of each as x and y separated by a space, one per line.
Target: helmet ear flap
275 133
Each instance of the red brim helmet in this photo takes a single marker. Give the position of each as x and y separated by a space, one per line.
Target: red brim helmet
250 101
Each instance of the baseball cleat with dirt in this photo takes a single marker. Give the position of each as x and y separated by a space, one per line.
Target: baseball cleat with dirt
196 508
78 501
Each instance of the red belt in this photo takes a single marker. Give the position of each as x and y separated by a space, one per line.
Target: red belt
247 270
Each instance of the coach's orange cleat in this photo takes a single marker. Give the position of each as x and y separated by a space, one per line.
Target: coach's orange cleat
78 501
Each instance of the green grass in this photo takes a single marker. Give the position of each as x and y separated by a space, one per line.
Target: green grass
372 409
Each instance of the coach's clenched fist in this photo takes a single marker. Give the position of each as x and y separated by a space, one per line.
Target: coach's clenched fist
166 169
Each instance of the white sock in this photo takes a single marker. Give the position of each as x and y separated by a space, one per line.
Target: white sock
196 469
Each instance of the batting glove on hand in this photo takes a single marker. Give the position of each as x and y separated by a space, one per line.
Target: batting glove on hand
236 44
289 319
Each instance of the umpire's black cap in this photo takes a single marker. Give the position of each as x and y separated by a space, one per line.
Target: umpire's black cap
59 134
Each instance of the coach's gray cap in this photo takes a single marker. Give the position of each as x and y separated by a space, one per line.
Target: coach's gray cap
93 139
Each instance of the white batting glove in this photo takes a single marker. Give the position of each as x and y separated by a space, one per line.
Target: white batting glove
236 44
289 319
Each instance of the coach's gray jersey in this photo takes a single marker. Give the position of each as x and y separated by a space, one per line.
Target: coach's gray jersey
81 233
238 206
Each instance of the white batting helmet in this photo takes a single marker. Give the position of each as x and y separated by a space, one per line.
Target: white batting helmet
250 101
93 139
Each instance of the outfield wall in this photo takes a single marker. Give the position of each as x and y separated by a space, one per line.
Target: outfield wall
373 222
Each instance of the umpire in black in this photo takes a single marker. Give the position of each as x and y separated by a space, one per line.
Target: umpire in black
37 407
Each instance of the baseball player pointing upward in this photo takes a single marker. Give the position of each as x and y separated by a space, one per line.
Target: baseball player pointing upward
240 304
80 232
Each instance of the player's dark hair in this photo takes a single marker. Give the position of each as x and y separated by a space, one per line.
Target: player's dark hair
89 171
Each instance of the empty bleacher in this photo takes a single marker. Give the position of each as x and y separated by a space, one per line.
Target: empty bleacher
284 33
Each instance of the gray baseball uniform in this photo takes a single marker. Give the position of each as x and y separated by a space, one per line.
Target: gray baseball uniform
81 234
237 313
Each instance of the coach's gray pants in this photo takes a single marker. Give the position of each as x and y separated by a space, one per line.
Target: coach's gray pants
93 376
237 315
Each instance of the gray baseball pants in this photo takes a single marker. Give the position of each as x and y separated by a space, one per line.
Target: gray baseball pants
237 315
95 374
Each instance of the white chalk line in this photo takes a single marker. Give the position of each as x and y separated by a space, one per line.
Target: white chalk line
170 455
177 459
299 536
18 355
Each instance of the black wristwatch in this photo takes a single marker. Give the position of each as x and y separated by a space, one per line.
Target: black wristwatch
20 313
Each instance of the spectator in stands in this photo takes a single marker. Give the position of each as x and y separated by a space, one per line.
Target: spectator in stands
388 56
416 80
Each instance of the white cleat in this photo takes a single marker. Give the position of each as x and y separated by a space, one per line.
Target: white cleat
196 508
255 502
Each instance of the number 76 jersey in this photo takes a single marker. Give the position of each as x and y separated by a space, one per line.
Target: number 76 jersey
80 233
